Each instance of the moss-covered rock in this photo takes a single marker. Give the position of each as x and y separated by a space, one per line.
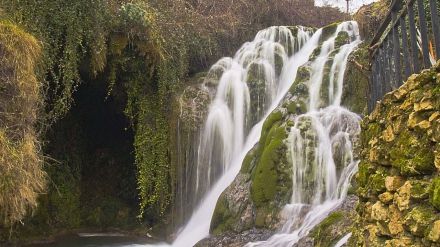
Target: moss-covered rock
435 195
418 220
397 178
356 81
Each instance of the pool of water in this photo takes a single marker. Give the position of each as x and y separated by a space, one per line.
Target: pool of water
95 240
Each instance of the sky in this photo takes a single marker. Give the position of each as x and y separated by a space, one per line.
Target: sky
342 4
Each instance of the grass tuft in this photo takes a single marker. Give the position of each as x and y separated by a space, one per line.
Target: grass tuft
22 177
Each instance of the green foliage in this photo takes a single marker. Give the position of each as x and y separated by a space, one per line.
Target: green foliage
69 30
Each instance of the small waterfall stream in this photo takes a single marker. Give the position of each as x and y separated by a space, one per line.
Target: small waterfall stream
245 90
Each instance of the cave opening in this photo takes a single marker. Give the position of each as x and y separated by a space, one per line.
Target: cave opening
95 167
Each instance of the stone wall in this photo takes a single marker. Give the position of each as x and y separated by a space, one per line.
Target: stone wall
398 182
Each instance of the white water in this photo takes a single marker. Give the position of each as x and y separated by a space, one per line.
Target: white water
355 5
237 112
343 240
320 147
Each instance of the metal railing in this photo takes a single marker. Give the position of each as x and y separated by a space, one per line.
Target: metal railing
407 42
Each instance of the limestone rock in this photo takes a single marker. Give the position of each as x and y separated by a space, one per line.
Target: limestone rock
423 106
418 220
434 233
395 226
388 134
386 197
399 242
393 183
379 212
402 196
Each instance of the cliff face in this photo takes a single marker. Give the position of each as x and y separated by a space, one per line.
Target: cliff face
398 180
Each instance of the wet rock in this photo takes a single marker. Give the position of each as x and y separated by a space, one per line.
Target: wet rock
235 240
334 227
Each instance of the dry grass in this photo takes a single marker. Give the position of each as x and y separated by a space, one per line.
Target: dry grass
21 168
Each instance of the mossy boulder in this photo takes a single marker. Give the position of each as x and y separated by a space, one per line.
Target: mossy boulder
356 81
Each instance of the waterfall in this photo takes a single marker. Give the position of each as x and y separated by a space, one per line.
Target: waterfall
245 90
320 148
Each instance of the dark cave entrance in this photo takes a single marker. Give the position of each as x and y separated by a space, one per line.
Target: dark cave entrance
94 145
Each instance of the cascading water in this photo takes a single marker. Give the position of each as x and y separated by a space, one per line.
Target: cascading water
247 88
320 147
243 89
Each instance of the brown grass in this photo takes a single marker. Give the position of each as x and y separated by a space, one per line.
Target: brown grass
21 168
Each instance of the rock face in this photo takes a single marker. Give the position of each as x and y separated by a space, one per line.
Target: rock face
189 111
399 188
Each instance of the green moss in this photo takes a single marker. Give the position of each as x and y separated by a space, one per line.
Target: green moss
420 190
412 154
322 235
328 31
418 220
435 194
265 178
296 107
370 131
315 53
365 170
270 121
342 39
222 220
356 81
378 182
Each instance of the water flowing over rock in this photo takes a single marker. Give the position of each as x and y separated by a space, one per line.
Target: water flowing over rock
287 170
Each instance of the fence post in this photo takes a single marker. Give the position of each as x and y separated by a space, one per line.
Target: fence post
413 34
396 43
405 47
